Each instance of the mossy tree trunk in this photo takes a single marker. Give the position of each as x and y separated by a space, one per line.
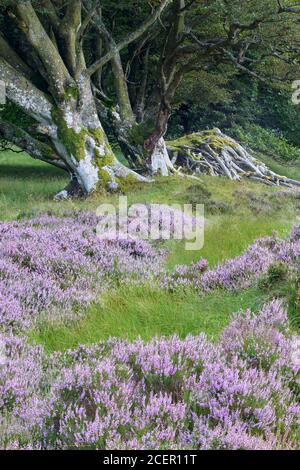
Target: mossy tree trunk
80 140
140 121
143 146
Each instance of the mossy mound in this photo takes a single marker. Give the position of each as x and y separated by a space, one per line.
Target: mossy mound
195 140
212 152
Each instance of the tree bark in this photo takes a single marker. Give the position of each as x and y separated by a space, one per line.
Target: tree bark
142 138
81 142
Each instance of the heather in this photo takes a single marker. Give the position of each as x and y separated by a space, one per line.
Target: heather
240 272
236 387
241 393
119 122
54 267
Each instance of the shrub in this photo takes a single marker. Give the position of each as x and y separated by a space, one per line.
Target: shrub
277 272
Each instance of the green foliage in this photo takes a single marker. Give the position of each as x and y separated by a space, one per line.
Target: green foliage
12 113
266 141
277 272
259 116
140 132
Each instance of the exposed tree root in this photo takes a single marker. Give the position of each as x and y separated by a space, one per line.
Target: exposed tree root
214 153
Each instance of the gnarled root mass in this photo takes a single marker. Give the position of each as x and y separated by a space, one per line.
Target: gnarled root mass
214 153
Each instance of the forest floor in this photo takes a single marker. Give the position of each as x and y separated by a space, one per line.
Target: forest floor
237 212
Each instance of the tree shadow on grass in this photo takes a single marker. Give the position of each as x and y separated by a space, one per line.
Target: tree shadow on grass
32 172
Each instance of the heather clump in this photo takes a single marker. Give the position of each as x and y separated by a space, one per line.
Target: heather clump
54 267
267 256
295 234
261 340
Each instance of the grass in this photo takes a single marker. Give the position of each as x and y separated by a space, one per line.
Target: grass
27 187
131 312
285 169
26 184
228 236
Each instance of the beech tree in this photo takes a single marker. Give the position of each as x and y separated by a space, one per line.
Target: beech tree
44 66
71 66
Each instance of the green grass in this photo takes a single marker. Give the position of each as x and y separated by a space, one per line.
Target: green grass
27 187
131 312
266 141
284 169
26 184
228 236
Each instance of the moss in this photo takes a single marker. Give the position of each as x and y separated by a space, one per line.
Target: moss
126 183
72 140
101 141
48 152
192 141
104 160
104 177
71 93
98 135
75 141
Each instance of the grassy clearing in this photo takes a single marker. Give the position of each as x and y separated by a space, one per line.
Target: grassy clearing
228 236
27 187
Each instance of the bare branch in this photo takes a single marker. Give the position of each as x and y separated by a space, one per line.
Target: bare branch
86 22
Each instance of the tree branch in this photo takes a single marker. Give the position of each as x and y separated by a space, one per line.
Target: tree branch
86 22
241 67
292 9
8 53
36 149
24 94
28 21
52 14
129 39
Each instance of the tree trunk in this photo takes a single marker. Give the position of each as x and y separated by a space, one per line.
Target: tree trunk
160 160
143 143
80 141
